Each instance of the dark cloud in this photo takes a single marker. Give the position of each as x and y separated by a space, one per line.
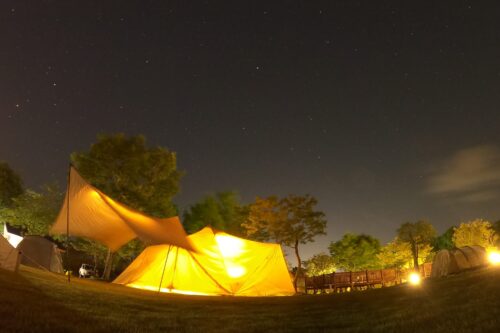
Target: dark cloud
471 174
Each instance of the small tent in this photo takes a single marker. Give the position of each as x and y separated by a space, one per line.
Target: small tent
12 238
88 212
476 255
9 256
448 262
221 265
40 253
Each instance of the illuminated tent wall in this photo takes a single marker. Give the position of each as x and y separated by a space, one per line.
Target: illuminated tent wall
448 262
40 253
222 265
94 215
9 256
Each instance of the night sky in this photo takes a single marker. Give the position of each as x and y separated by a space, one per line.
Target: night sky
386 112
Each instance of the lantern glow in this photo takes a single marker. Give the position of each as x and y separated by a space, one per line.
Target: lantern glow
494 258
414 279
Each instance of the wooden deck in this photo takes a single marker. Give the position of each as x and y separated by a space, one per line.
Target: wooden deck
346 281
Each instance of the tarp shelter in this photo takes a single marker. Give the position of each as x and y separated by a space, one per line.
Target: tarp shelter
222 265
448 262
93 214
9 256
40 253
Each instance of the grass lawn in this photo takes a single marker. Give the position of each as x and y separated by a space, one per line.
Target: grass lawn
37 301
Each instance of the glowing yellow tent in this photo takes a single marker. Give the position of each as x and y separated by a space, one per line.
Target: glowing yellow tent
94 215
222 265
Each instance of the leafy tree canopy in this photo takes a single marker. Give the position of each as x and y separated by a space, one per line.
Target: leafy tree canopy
264 219
34 212
92 248
99 253
496 229
222 211
417 235
444 241
11 185
420 232
477 232
144 178
125 168
319 264
355 252
397 254
291 221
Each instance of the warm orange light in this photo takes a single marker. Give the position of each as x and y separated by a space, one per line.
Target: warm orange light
169 290
235 271
494 258
414 279
229 246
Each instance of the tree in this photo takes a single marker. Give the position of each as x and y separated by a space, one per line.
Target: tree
124 168
264 219
130 172
127 254
99 253
95 249
319 264
444 241
222 211
290 221
496 229
355 252
417 235
397 254
477 232
34 212
11 185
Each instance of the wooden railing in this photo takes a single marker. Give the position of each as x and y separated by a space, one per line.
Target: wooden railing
344 281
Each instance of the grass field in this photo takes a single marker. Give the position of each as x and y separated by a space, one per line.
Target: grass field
37 301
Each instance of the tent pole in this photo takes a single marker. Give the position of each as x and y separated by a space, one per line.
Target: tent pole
175 267
67 223
163 271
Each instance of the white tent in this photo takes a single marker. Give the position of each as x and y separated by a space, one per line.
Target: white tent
13 239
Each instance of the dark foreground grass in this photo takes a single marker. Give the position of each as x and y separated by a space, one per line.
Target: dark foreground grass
37 301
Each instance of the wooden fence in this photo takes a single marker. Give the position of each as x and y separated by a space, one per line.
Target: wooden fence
344 281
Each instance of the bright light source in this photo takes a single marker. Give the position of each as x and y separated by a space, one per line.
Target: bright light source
229 246
235 271
494 258
414 279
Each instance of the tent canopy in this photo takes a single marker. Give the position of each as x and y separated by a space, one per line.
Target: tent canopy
222 265
95 215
